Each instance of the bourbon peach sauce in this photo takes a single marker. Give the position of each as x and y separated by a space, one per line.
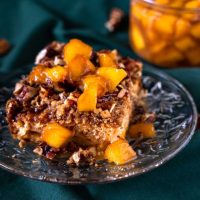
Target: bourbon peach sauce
166 32
77 102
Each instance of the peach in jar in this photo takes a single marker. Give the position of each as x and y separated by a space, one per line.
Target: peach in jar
165 32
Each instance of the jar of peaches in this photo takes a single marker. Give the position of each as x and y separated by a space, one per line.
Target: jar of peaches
166 32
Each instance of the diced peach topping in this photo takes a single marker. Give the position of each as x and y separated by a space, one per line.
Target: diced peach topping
96 81
107 59
78 67
76 47
80 70
56 73
88 99
113 75
40 74
37 74
94 86
119 152
55 135
146 129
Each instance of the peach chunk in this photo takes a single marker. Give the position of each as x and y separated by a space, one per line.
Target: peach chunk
192 4
76 47
182 28
56 73
195 30
94 86
88 99
37 74
137 38
119 152
99 82
55 135
78 67
146 129
107 59
149 19
40 74
138 11
151 36
176 4
157 47
113 75
185 43
172 55
165 24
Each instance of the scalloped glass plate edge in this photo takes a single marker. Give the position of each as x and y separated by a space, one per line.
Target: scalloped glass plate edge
78 179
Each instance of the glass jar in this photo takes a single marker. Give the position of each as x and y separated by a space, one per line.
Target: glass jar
166 32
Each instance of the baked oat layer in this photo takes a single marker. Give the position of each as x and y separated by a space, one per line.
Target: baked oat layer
36 104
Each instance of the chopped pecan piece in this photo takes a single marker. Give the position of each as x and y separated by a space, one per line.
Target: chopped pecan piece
116 16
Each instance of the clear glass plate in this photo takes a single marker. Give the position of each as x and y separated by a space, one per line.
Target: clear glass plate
175 124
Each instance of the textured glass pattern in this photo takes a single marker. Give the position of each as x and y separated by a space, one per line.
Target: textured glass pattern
175 125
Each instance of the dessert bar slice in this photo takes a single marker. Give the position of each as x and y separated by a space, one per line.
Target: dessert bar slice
75 101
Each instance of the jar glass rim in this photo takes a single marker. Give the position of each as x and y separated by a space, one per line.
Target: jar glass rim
162 6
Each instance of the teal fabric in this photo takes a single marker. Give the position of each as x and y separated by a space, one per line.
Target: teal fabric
29 25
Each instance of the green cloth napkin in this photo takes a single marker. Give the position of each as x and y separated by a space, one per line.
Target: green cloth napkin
28 26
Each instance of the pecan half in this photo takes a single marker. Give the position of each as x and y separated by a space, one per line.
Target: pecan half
116 16
4 46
